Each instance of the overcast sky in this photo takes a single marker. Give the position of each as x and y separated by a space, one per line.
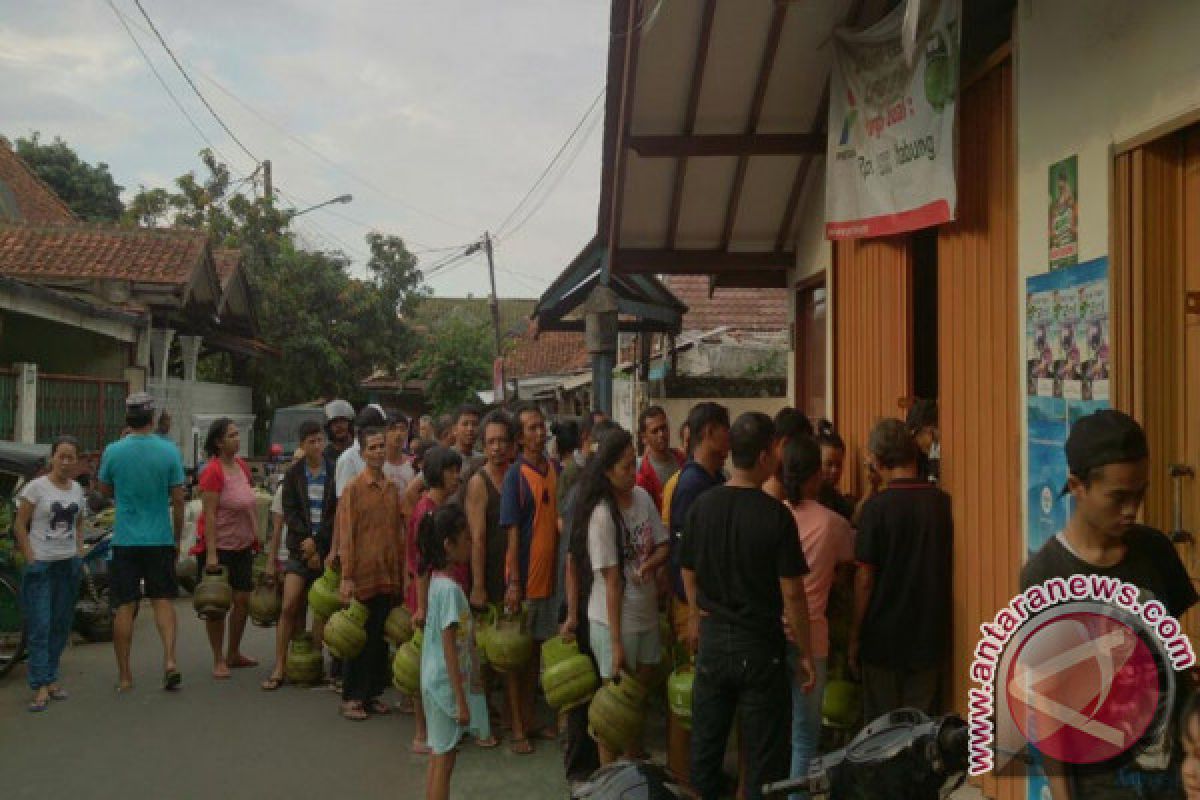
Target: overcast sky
437 115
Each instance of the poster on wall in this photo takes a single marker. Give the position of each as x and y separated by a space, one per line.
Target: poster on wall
890 151
1067 332
1063 224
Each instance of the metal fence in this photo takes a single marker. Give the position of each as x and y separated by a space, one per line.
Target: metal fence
8 403
90 409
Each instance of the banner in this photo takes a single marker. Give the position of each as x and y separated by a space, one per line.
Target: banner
890 155
1067 377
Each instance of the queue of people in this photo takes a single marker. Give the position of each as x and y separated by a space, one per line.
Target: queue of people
739 537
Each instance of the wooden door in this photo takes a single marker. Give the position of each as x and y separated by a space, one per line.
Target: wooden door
872 312
1189 451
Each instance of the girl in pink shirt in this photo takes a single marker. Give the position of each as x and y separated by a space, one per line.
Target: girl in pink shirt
827 540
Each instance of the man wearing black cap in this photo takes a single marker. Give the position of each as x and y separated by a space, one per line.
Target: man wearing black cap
1108 458
145 474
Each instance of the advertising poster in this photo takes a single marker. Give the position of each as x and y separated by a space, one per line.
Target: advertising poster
890 151
1064 213
1067 377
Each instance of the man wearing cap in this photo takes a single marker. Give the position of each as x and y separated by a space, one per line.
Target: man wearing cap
145 474
339 428
1108 458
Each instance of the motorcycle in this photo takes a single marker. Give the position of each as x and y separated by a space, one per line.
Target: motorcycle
903 755
93 609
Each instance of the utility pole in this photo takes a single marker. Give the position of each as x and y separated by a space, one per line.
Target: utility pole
268 187
494 302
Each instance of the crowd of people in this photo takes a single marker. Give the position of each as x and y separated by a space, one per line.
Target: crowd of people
739 537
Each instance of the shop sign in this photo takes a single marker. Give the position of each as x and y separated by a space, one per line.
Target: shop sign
890 154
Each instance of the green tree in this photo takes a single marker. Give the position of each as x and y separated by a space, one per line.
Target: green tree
456 360
333 329
88 190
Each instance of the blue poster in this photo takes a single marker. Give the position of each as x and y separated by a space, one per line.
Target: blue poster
1067 337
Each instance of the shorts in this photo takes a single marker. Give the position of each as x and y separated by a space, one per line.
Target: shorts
239 563
641 647
133 566
542 618
295 567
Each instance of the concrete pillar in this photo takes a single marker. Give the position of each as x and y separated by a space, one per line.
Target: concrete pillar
190 348
160 352
25 424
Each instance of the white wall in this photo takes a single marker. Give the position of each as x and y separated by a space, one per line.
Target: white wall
194 405
1090 74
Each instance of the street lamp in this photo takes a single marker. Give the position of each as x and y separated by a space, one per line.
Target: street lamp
341 198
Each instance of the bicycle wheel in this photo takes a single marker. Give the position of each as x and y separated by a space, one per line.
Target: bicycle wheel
12 627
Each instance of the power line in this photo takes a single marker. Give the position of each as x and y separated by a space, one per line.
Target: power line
166 87
190 83
500 228
562 173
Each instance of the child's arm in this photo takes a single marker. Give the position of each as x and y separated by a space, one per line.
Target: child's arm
450 650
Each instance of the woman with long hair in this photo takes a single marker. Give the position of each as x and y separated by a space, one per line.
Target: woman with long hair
227 536
618 543
833 461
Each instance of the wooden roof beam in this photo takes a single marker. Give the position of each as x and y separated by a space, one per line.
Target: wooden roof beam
689 121
728 144
692 262
766 67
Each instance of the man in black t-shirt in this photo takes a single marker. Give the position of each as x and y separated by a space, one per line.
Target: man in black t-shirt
901 631
743 572
1108 458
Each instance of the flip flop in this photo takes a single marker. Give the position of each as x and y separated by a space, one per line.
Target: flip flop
242 662
521 747
271 684
378 707
59 694
171 680
354 712
36 705
488 743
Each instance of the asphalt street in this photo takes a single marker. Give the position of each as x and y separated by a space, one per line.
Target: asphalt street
225 739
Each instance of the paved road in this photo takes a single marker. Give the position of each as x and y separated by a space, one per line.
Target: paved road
224 739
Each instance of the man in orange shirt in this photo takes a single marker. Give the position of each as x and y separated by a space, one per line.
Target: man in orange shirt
529 514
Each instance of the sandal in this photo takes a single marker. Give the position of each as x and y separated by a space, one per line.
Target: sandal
171 680
354 711
379 707
488 743
271 684
58 694
241 662
521 747
36 705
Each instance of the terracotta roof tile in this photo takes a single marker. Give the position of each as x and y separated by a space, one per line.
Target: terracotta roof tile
740 309
551 353
24 196
46 252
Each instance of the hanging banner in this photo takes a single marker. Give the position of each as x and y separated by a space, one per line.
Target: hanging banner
1067 377
890 156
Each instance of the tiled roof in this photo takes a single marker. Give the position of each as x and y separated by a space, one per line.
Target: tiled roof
46 252
738 309
226 260
551 353
24 197
514 311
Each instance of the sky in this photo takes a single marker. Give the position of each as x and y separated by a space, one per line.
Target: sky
436 115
